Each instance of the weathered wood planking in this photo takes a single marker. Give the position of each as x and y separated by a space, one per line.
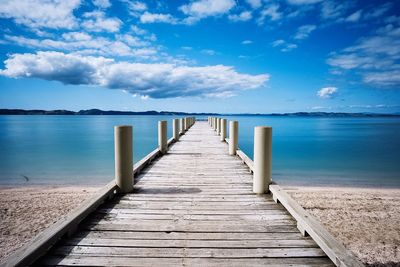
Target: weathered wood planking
192 207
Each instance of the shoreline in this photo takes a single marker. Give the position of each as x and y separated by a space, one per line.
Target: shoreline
354 215
284 185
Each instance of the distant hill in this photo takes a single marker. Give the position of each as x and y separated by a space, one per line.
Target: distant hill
153 112
92 112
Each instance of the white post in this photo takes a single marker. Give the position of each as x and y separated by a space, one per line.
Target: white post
262 159
162 136
218 125
182 126
123 150
175 127
233 137
223 130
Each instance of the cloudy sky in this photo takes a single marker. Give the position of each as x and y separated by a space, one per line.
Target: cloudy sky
255 56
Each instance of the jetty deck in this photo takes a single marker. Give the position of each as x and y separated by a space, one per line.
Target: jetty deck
192 206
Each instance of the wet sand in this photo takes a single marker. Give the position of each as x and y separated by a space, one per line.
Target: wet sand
367 221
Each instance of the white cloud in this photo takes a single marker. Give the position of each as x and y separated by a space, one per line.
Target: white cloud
327 92
96 21
153 80
376 58
138 30
283 45
102 3
278 42
304 31
137 6
148 17
244 16
272 12
356 16
378 11
254 3
208 52
83 43
246 42
206 8
76 36
319 108
303 2
132 40
289 47
187 48
383 78
333 10
41 14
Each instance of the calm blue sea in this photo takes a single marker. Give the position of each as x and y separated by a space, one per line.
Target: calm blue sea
306 151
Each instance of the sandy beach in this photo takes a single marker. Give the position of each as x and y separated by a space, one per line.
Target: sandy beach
367 221
27 210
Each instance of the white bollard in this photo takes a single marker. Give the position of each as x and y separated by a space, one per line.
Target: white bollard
182 126
215 124
123 150
262 159
175 127
218 125
233 137
223 130
162 136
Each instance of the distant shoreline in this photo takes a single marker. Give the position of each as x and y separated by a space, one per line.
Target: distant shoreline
153 112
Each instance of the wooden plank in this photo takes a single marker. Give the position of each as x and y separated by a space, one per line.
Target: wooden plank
171 243
197 217
245 159
187 224
189 235
186 227
74 260
236 212
150 206
163 252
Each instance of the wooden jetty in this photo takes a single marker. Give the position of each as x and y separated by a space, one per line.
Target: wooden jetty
192 205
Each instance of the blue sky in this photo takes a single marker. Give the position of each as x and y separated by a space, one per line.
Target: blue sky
255 56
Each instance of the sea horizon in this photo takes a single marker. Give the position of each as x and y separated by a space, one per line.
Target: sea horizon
307 151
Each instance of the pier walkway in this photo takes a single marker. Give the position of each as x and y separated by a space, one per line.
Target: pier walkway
193 206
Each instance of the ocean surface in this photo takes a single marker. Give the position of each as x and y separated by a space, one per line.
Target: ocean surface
361 152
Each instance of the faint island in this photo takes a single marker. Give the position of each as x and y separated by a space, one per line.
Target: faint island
176 113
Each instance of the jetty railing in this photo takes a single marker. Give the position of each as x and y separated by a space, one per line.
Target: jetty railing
262 183
125 171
